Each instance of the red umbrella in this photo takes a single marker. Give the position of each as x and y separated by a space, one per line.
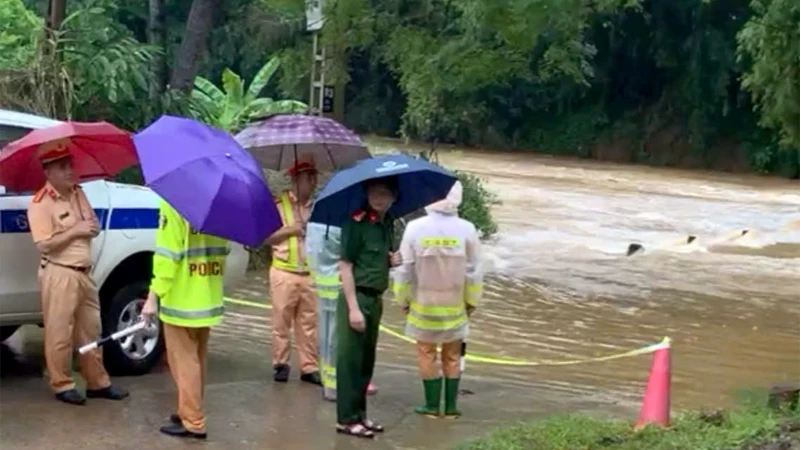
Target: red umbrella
98 150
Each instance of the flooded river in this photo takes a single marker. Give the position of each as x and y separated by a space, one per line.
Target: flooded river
560 285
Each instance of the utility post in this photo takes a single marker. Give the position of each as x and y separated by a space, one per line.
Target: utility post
314 21
324 99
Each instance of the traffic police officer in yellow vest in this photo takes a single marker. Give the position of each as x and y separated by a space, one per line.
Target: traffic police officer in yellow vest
187 293
294 302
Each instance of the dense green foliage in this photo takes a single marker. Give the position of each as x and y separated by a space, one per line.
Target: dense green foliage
92 68
17 43
697 83
638 80
771 41
750 427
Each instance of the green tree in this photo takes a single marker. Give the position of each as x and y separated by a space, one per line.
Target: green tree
91 68
18 42
232 108
770 42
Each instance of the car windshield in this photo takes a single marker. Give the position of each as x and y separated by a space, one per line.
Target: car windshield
9 133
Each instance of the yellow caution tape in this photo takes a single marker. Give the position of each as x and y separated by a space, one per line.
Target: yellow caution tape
236 301
664 344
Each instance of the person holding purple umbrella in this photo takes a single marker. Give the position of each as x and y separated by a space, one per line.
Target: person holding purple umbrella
213 192
188 283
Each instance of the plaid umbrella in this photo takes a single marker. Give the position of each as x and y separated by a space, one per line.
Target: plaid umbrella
277 143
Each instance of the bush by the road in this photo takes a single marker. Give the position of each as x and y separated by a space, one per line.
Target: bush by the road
751 426
477 203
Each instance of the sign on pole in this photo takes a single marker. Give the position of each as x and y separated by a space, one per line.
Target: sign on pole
314 17
328 96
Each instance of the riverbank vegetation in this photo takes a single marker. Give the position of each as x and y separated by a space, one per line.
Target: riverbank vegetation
693 83
751 426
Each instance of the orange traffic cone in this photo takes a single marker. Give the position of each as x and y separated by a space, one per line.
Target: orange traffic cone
655 407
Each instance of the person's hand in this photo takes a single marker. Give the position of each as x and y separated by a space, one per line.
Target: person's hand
150 308
298 229
395 259
85 228
357 321
470 310
95 228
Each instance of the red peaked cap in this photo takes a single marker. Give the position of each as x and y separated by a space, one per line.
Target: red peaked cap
53 151
304 165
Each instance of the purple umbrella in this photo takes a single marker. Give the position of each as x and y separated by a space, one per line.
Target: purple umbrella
278 142
208 178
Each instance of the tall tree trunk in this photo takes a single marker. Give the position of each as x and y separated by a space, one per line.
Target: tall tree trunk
195 40
157 36
56 9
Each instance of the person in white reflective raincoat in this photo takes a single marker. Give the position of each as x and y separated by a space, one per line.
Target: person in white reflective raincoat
322 255
439 285
323 252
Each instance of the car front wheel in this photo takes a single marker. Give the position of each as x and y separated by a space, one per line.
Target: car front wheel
137 353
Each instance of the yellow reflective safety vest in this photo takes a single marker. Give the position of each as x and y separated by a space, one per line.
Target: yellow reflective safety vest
292 262
188 272
439 278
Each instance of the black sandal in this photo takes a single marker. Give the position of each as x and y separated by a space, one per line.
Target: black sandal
373 426
355 429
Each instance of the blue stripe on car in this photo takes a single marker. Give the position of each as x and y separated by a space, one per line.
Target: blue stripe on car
16 220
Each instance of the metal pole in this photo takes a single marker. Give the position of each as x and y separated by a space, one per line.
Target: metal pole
316 95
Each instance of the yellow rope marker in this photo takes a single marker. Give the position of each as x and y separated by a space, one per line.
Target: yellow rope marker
486 359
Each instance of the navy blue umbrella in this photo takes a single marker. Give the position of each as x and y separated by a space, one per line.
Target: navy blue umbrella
419 182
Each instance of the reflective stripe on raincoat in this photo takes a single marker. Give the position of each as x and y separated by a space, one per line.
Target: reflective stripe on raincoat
188 272
440 274
323 248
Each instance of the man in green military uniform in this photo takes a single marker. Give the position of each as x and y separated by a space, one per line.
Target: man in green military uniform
366 257
186 293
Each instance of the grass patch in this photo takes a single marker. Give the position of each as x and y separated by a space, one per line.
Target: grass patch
751 426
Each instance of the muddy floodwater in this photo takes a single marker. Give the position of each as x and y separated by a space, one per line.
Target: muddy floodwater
559 285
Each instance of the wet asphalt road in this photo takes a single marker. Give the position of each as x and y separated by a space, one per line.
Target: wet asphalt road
245 409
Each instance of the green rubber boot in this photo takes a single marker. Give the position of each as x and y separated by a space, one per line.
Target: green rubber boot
451 397
433 398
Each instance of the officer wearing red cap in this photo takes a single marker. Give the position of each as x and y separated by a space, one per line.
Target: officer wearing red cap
294 301
62 225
